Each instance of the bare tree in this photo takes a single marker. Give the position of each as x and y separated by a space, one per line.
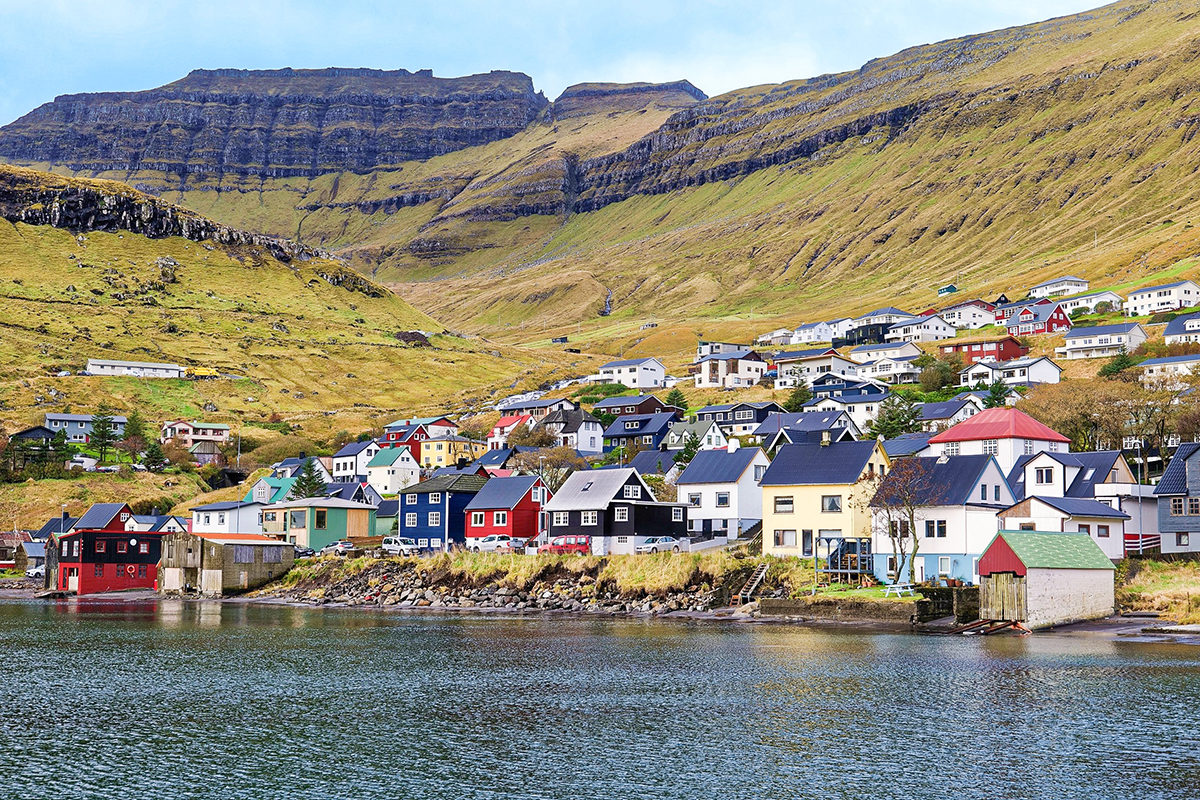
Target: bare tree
900 501
554 464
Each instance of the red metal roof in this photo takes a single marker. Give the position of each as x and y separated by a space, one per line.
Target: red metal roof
999 423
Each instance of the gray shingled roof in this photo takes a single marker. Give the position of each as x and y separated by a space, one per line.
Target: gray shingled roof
591 489
502 492
1174 477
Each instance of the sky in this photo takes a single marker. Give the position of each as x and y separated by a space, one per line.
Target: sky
53 47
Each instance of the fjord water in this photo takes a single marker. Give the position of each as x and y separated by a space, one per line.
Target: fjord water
175 700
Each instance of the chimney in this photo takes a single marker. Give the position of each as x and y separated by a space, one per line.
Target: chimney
462 463
825 438
734 444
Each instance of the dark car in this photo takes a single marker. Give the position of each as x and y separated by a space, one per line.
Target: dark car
304 552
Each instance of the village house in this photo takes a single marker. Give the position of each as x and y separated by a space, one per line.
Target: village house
408 436
860 399
805 421
780 337
79 426
316 522
498 438
1038 319
37 436
946 507
642 404
269 489
1102 341
1059 286
873 352
159 523
1168 297
576 429
1091 301
1169 371
969 315
538 408
511 506
436 426
1178 493
1105 524
355 492
136 369
434 512
815 500
391 469
1044 579
708 432
1004 349
228 517
721 490
940 416
636 373
615 509
655 462
931 328
1005 433
189 433
704 349
891 370
813 332
291 467
216 564
1006 311
887 316
350 462
803 366
738 419
449 450
1018 372
99 555
1183 330
638 431
734 369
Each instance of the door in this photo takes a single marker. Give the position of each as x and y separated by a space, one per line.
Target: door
920 570
73 579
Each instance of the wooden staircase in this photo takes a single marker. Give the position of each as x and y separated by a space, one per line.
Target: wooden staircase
747 592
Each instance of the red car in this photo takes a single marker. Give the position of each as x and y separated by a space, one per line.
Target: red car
579 545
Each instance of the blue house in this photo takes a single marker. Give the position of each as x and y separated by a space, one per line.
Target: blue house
1178 493
434 512
649 431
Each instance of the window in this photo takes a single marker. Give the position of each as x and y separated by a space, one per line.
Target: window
435 519
722 499
983 491
744 415
807 543
243 554
1193 506
99 571
208 519
1043 475
1085 529
621 514
272 555
435 498
831 503
647 440
322 518
589 518
943 565
951 449
410 520
100 545
410 499
144 548
784 505
990 447
476 519
1176 506
1027 526
759 471
141 570
693 499
785 538
677 514
561 518
633 492
1181 539
930 529
1102 531
996 493
269 516
296 519
122 547
499 518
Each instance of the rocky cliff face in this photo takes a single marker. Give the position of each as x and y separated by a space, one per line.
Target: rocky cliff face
275 123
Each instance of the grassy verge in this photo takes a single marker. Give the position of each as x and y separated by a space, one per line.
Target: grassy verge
1170 588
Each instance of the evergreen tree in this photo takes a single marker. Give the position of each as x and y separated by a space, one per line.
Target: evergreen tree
796 400
154 459
897 415
135 426
691 446
997 396
103 436
1118 364
676 398
308 482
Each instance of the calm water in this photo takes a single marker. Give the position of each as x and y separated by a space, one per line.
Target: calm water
191 701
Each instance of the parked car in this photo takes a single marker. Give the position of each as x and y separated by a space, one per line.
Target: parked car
579 545
304 552
401 546
36 572
109 468
492 543
337 548
661 544
63 373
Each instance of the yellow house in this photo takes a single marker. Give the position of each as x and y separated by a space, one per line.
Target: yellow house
815 500
445 451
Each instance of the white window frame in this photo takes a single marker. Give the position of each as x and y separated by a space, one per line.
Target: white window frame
589 519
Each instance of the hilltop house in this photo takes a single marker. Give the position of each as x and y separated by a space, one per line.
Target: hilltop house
777 337
576 429
636 373
79 426
1005 433
350 463
812 333
734 369
189 433
1038 319
1102 341
939 416
969 315
721 490
136 369
538 408
1006 311
704 349
216 564
642 404
804 366
1090 301
1059 286
99 555
1183 330
614 508
434 512
237 516
887 316
931 328
873 352
391 469
498 438
1004 349
1018 372
738 419
707 431
318 521
511 506
1168 297
643 431
953 500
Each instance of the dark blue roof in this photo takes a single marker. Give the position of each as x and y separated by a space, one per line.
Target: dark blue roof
1102 330
946 481
907 443
388 508
1093 469
884 310
55 525
799 421
1081 507
544 403
495 458
34 549
1156 288
99 515
1178 326
647 424
944 410
720 409
800 464
1174 477
718 466
1155 362
654 462
629 362
788 355
502 492
353 449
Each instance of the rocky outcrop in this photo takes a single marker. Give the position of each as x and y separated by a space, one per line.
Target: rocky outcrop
275 123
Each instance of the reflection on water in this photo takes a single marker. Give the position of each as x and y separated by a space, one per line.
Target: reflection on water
205 700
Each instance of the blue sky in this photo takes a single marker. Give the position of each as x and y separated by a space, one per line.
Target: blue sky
52 47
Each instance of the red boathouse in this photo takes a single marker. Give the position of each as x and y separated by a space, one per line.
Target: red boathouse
99 555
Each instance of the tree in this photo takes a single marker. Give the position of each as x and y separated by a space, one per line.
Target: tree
936 373
900 501
1119 363
103 435
799 396
135 426
898 414
691 446
663 492
153 458
676 398
531 436
997 396
476 428
308 482
554 465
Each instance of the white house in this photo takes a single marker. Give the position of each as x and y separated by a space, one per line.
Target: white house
1005 433
882 316
1017 372
721 490
782 336
498 438
1102 341
969 315
891 370
805 365
575 428
812 332
921 329
1059 286
232 517
188 433
939 416
1168 297
715 348
1091 300
350 463
873 352
636 373
391 469
137 369
707 431
1183 330
861 408
1169 370
734 369
1106 525
151 522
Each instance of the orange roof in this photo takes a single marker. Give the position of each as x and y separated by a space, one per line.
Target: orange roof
238 537
999 423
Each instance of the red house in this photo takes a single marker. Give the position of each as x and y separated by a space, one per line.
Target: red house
1006 311
508 505
409 436
1035 319
1005 349
99 555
